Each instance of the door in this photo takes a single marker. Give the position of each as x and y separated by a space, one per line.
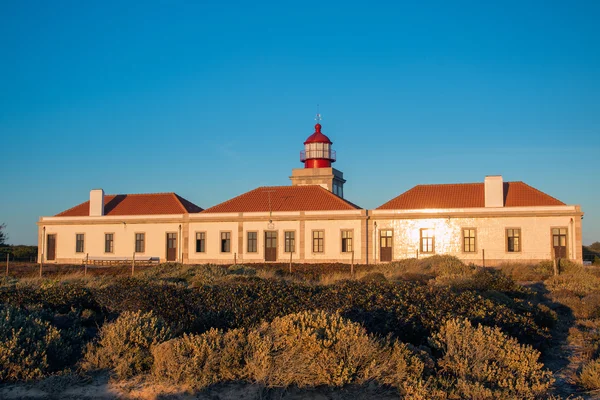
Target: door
171 247
385 245
270 246
51 248
559 242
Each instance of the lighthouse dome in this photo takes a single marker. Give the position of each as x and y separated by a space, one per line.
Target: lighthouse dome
318 137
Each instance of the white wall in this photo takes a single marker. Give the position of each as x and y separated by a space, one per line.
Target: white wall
536 238
123 239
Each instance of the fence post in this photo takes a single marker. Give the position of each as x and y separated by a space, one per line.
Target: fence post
291 262
483 252
41 266
87 257
417 254
7 258
555 265
133 264
352 266
234 258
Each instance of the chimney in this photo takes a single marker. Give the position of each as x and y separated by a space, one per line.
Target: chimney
494 191
96 203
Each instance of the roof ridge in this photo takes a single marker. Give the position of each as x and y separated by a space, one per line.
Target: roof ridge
337 199
138 194
181 200
181 206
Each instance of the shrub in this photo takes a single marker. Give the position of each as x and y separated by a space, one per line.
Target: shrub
28 345
374 277
446 265
308 349
305 349
590 375
174 303
528 272
242 270
124 345
482 362
482 279
201 360
581 282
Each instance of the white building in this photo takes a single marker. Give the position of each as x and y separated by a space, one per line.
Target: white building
310 221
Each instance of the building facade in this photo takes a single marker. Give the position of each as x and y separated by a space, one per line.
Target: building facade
310 221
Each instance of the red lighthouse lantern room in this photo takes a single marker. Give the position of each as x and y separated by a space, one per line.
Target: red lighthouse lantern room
317 151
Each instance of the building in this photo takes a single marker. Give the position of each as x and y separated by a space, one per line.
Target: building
310 221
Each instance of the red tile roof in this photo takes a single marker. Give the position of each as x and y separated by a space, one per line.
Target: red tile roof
284 198
137 204
467 195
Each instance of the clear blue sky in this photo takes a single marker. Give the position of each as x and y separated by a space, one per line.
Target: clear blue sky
211 100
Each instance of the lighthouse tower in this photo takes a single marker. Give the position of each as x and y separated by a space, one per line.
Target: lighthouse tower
317 157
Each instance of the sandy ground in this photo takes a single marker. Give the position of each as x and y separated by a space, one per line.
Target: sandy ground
99 386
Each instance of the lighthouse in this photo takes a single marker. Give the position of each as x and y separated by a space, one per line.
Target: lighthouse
317 157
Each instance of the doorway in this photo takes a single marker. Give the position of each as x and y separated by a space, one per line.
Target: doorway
559 242
171 247
270 246
385 245
51 247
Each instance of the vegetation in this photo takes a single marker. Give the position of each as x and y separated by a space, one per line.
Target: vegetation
484 363
3 235
30 347
304 349
124 345
431 328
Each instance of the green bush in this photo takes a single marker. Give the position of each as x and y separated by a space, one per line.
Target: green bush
484 363
124 345
28 345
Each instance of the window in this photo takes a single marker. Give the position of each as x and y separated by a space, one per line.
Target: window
469 240
225 242
347 241
79 243
108 242
200 242
140 242
252 242
318 238
559 237
427 240
513 240
290 242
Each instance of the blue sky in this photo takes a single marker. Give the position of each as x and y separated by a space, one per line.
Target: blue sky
211 100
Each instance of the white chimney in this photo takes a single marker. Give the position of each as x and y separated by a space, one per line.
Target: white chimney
494 191
96 203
